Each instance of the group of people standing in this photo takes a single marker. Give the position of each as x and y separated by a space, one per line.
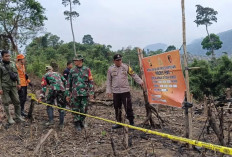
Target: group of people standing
74 88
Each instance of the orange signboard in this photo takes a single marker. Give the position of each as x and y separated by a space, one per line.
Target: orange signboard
164 79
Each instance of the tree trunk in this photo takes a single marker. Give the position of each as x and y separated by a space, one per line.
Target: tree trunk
14 46
217 130
189 115
212 50
74 42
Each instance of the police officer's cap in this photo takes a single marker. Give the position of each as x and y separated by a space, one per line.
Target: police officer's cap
78 57
117 57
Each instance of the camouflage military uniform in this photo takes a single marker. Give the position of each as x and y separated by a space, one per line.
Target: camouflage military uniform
56 88
79 87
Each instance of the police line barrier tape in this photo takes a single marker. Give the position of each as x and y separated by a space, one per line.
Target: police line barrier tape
218 148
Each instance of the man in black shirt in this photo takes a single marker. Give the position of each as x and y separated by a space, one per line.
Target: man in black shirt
67 70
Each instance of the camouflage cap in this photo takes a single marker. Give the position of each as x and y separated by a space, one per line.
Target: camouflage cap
48 67
78 57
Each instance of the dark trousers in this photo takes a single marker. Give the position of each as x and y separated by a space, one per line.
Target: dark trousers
57 96
125 99
22 96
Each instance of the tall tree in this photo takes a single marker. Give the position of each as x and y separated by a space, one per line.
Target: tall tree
87 39
211 42
19 20
170 48
206 16
70 15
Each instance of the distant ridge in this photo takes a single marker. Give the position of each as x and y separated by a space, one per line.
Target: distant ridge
195 47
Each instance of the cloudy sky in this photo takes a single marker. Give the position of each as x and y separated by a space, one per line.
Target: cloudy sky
123 23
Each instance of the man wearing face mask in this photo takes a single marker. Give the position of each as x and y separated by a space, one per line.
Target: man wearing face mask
9 86
118 87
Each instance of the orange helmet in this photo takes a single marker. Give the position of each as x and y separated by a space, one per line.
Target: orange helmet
20 56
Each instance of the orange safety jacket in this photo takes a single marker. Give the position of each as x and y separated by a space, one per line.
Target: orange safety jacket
22 75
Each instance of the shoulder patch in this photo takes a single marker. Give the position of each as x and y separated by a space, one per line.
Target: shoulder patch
130 71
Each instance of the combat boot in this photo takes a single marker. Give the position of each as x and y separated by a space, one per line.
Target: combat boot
18 113
23 114
78 126
50 116
132 122
9 117
49 123
82 124
116 126
61 125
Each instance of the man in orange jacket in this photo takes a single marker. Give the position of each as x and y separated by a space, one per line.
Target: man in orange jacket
24 82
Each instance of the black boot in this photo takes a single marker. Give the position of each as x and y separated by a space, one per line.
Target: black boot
23 114
116 126
82 124
78 126
132 122
61 125
50 116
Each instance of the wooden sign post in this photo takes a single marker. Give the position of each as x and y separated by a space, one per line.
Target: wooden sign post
147 105
189 114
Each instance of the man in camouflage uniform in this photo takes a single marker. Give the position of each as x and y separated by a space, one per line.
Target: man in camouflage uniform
9 83
56 88
79 88
118 87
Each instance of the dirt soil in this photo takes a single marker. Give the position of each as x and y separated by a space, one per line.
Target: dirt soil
97 138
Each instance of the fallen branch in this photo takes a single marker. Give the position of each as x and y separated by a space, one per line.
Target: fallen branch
107 103
42 140
113 147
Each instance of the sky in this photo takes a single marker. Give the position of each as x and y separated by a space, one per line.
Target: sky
136 23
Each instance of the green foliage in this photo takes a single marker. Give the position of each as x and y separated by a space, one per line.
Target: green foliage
170 48
69 13
200 79
211 42
87 39
20 20
49 50
223 75
211 79
103 133
151 53
37 68
205 15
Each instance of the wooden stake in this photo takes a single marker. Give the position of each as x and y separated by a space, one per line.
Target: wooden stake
228 96
228 137
205 105
189 116
147 105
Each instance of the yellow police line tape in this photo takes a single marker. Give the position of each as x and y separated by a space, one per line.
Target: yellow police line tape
222 149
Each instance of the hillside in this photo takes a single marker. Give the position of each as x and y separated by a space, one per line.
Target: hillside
195 47
226 37
154 47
